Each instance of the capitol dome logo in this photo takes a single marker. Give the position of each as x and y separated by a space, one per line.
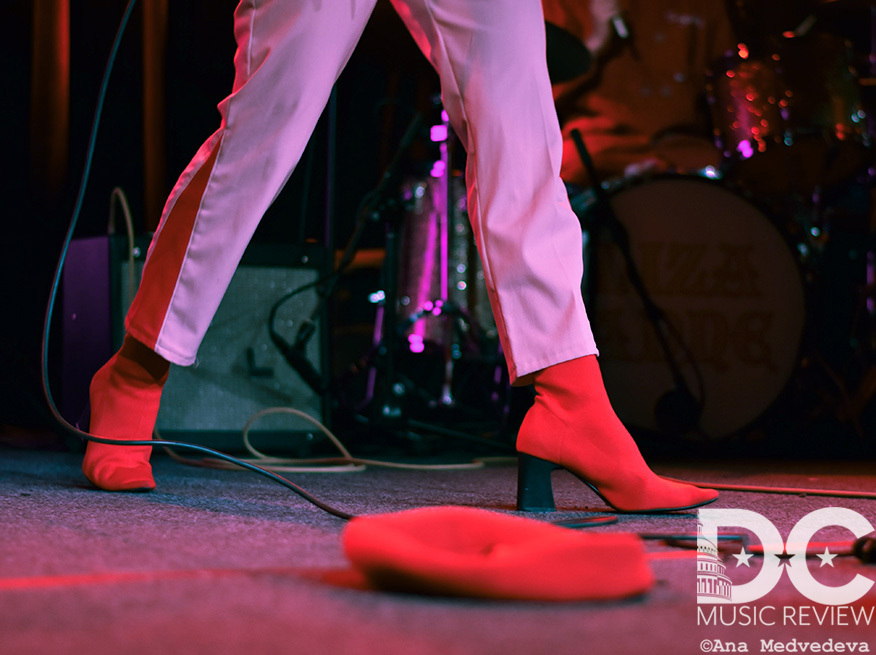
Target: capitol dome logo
713 585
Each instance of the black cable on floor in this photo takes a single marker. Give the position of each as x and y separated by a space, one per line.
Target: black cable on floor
53 294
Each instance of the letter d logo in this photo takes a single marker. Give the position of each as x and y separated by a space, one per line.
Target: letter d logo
765 531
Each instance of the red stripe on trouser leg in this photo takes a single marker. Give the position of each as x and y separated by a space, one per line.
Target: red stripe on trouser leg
166 256
285 67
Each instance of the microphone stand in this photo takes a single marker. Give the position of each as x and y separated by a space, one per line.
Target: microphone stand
678 409
371 208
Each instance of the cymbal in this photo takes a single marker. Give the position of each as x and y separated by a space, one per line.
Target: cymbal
567 56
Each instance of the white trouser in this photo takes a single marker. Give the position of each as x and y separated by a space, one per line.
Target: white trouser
490 55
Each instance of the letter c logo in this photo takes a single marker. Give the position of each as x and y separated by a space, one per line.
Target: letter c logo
799 539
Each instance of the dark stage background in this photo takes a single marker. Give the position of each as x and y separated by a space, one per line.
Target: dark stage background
385 84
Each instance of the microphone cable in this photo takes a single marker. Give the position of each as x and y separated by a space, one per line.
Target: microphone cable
53 294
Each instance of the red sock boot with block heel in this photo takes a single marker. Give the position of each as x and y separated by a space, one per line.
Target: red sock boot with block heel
573 426
125 394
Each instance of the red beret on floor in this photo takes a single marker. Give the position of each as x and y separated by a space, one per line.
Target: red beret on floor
461 551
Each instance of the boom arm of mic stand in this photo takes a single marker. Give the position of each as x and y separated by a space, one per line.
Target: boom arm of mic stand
392 169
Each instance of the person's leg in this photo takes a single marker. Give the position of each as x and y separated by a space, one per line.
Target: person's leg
124 394
289 56
490 55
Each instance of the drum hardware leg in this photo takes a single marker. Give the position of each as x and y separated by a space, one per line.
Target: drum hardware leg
443 311
678 410
461 331
396 413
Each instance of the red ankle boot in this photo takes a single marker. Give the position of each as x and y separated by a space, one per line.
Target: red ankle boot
125 395
573 426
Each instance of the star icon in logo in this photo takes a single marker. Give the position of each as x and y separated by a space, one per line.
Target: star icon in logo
784 558
742 558
827 557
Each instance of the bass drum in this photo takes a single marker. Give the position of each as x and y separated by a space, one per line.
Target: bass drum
729 285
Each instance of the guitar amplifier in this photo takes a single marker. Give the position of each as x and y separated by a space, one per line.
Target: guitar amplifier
238 371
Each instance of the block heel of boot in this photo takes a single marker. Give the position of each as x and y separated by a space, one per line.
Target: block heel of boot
534 489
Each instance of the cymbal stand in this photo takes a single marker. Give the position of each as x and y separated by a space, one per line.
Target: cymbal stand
440 308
